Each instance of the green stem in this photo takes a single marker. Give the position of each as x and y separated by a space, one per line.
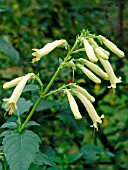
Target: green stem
31 113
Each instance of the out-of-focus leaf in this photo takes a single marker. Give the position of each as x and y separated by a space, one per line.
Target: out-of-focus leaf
23 106
10 125
32 123
30 87
44 105
9 50
90 153
74 157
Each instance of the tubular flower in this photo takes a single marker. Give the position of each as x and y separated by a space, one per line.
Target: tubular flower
112 77
99 50
73 105
84 92
12 83
112 46
89 74
11 102
39 53
89 51
95 68
101 53
90 109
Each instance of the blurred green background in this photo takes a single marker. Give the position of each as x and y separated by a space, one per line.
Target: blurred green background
71 144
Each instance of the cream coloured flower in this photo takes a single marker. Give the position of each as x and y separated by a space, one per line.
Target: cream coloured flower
84 92
47 49
112 46
95 69
101 53
89 51
99 50
90 109
89 74
73 105
12 83
11 102
109 70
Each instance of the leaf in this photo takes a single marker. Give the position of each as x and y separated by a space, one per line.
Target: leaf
41 159
90 153
30 87
5 133
74 157
44 105
20 149
9 50
23 106
10 125
32 123
1 166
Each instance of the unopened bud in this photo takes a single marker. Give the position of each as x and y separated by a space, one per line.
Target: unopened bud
73 105
89 74
112 46
84 92
89 51
95 68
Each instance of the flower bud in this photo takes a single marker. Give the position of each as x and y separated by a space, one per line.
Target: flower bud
47 49
89 74
84 92
95 68
101 53
109 70
73 105
89 51
112 46
90 109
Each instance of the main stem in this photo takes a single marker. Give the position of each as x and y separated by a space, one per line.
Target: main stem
40 98
47 88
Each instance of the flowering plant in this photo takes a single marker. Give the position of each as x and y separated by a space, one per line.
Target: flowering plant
89 65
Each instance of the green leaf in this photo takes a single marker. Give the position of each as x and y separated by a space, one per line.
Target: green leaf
31 87
44 105
74 157
10 125
1 166
90 153
32 123
9 50
20 149
23 106
41 159
5 133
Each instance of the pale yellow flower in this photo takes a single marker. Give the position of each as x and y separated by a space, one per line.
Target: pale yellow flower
90 109
112 46
11 102
109 70
73 105
95 68
12 83
89 51
99 50
89 74
84 92
39 53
